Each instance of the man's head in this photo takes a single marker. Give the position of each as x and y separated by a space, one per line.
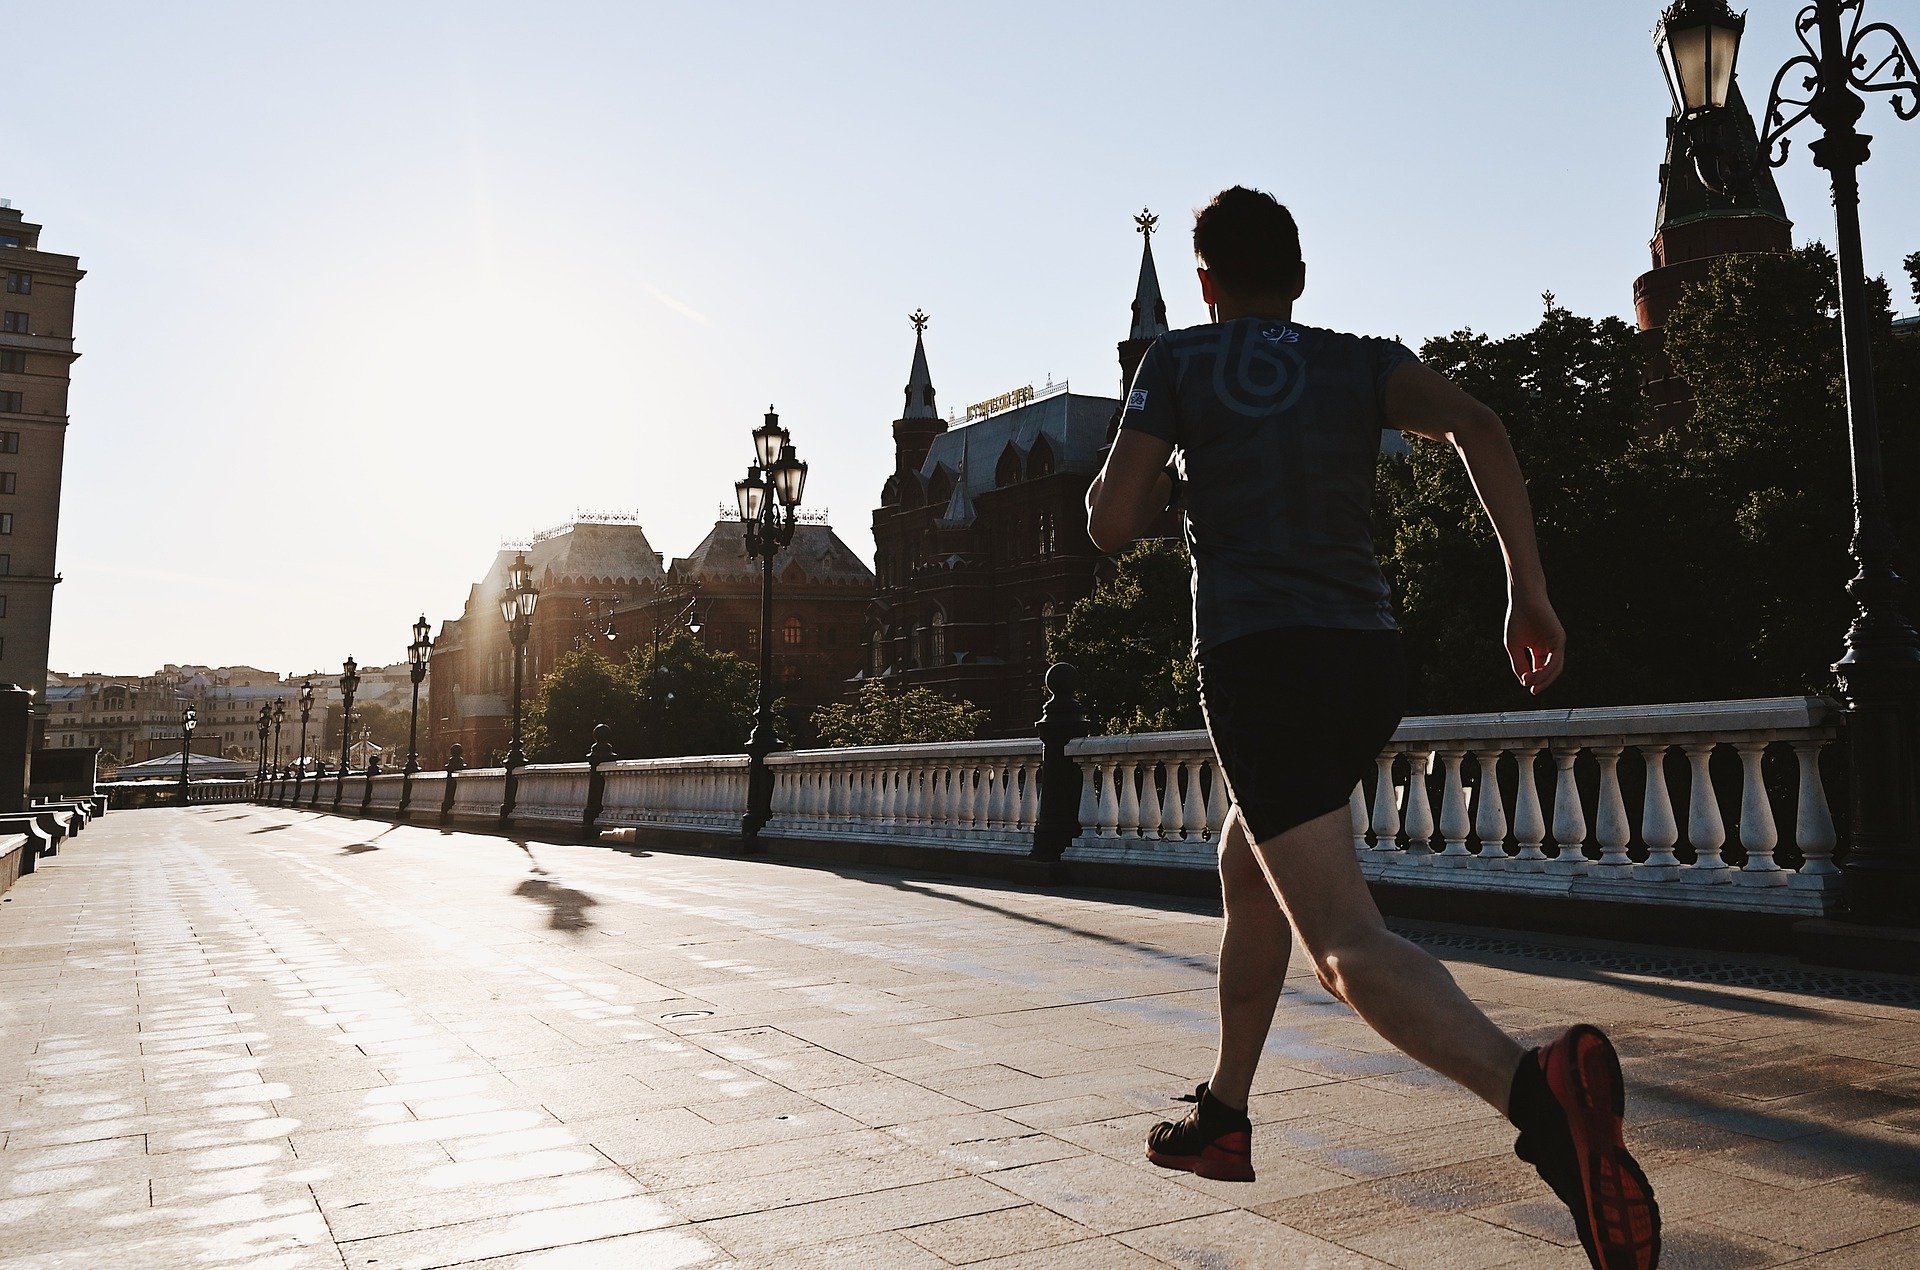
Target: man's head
1249 251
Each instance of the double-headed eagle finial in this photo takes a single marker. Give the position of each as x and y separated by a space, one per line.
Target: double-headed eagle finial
919 319
1146 220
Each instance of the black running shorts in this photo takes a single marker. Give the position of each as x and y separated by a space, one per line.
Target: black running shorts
1298 716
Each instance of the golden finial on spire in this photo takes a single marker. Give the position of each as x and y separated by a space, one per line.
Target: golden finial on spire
1146 220
919 319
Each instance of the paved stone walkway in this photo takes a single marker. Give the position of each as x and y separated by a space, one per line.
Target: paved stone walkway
239 1036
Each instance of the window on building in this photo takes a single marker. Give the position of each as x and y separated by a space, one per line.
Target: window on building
7 480
6 564
3 613
879 652
6 522
9 240
19 283
13 402
9 443
17 323
791 631
939 639
13 362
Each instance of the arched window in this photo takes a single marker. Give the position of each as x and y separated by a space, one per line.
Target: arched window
791 632
940 487
939 638
1040 460
1007 471
879 650
1049 621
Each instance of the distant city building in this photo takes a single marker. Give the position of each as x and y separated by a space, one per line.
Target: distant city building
36 359
1696 227
980 539
601 572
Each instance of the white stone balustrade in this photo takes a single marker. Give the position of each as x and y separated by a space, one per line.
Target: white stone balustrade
386 794
1154 798
973 795
702 794
429 790
478 793
552 794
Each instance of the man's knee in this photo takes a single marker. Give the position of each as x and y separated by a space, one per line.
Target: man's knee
1342 965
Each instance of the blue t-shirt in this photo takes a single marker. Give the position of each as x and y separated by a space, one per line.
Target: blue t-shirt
1277 429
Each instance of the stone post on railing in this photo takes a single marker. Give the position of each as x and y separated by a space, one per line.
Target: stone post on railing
366 794
1061 721
602 752
456 761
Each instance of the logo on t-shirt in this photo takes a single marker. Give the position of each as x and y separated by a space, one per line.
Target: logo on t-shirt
1279 335
1137 399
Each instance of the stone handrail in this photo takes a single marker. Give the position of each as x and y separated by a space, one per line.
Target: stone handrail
701 794
1429 815
478 793
984 795
550 794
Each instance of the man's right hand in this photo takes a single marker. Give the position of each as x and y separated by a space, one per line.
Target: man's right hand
1536 643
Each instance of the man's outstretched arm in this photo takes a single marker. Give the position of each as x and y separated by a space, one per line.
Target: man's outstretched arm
1425 403
1130 491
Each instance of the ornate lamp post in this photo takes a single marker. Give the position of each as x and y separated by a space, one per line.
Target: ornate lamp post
685 612
349 684
266 726
300 765
418 654
769 499
517 603
1879 673
279 717
188 722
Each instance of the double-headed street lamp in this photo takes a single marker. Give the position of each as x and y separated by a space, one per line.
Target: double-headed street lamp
517 603
300 765
769 499
349 684
188 722
266 726
1879 674
279 716
418 654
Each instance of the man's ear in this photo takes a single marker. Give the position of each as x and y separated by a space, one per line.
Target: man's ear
1206 287
1300 280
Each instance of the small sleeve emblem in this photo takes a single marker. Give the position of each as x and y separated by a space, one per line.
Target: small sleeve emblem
1137 399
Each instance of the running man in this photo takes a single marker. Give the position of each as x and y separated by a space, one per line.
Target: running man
1277 429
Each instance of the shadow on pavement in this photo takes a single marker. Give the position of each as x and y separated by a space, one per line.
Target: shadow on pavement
269 828
1208 964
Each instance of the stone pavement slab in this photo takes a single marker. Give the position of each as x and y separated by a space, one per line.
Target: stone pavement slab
255 1037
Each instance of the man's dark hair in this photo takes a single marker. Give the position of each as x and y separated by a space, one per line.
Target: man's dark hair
1247 240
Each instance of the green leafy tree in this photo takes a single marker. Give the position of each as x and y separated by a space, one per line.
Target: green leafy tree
692 701
1913 274
1131 642
881 717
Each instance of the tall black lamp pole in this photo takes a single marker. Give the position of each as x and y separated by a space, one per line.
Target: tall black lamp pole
1879 673
300 766
279 717
517 603
349 684
266 726
188 722
769 501
418 653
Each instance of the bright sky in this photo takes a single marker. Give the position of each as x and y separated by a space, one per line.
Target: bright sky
373 286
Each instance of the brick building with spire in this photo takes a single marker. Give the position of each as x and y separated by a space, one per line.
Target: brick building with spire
980 539
1694 228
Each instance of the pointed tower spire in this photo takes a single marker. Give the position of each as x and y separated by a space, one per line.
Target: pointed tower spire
920 423
1149 309
920 380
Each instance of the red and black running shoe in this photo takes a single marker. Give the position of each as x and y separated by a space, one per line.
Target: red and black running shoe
1213 1140
1571 1120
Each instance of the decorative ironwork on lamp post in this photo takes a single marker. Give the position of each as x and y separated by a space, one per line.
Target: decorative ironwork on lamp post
300 764
266 726
1879 673
279 717
188 722
769 498
349 684
418 654
517 603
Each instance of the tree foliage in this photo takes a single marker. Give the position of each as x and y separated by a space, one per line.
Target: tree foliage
1131 643
692 701
1913 274
883 717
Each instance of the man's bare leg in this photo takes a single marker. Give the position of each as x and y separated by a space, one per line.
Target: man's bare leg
1402 992
1253 964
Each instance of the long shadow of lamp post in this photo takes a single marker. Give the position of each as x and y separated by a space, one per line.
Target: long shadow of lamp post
769 500
1879 673
349 684
300 764
188 722
517 603
418 653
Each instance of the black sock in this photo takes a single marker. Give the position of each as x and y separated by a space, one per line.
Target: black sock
1530 1104
1218 1112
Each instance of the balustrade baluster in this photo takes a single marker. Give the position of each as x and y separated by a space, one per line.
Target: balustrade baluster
1129 795
1813 822
1569 817
1658 828
1089 796
1357 814
1029 793
1455 823
1418 811
1108 819
1529 822
1193 812
1219 801
1173 822
1386 811
1612 830
1758 833
1149 799
1490 814
1705 829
